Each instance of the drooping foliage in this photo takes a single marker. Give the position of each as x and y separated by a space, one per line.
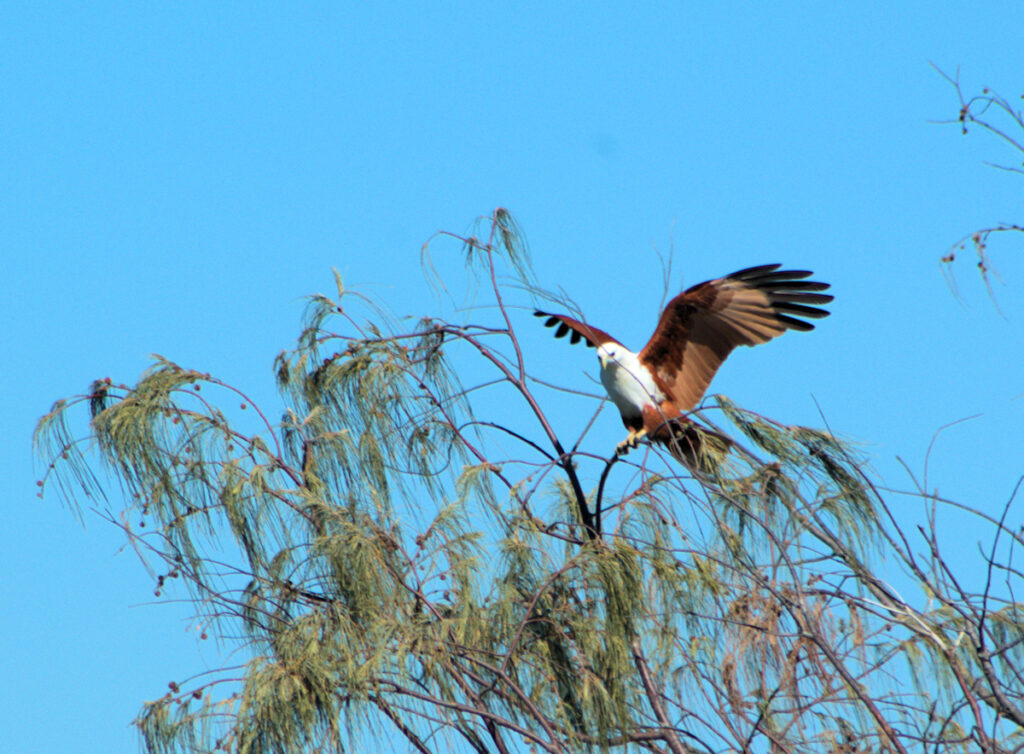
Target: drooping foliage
430 549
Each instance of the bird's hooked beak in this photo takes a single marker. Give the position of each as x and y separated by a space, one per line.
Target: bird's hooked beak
603 357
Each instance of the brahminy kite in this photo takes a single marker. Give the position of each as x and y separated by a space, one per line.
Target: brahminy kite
653 389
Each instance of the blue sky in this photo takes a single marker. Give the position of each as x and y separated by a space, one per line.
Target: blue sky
177 177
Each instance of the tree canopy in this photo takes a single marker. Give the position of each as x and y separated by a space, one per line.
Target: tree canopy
418 551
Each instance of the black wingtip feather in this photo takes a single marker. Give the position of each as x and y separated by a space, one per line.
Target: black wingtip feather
791 297
782 277
806 285
800 309
790 294
591 337
752 272
798 324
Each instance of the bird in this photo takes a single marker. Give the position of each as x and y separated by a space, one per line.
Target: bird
655 388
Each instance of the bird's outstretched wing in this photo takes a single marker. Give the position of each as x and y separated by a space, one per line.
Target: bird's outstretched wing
700 327
580 331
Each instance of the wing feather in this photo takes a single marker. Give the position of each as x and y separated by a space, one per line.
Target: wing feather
700 327
801 309
579 330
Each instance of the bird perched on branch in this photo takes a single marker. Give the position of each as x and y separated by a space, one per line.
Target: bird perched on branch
655 388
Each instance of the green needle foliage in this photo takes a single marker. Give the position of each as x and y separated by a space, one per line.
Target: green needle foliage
418 553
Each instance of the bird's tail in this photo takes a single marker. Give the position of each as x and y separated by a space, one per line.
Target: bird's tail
696 447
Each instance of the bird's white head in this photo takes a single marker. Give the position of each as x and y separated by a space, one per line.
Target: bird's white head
611 353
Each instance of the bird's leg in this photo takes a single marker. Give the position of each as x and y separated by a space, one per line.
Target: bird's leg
630 442
623 447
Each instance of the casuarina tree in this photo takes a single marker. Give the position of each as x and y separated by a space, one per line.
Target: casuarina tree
425 545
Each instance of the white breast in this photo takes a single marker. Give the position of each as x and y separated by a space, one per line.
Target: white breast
630 385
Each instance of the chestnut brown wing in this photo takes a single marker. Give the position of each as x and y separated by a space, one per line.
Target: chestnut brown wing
580 331
700 327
